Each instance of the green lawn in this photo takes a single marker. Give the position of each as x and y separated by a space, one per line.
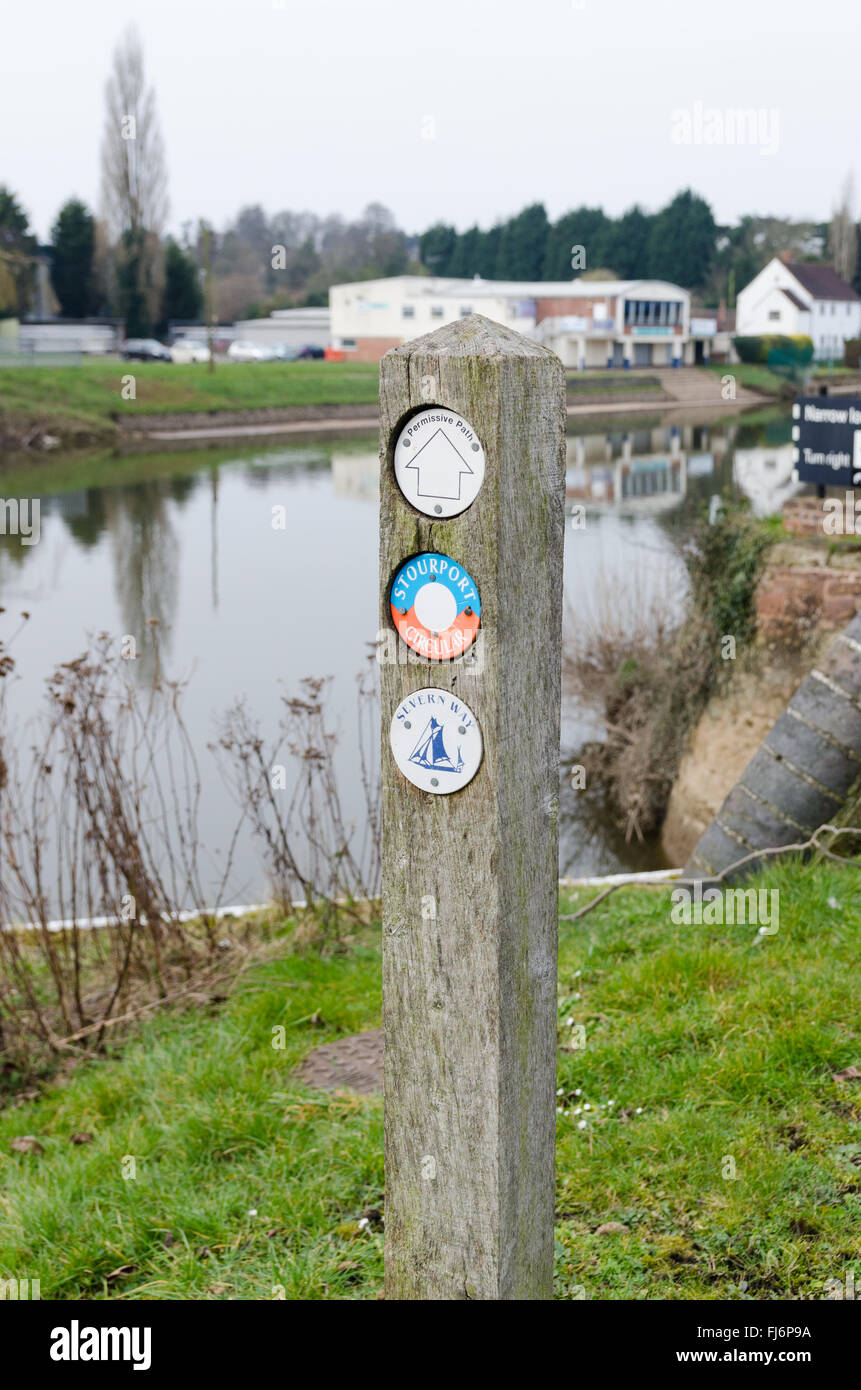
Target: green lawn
754 376
609 381
702 1045
91 392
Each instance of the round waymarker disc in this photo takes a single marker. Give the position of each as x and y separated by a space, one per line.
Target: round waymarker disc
435 606
439 462
436 741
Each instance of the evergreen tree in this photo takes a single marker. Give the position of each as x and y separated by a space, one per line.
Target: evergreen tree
182 297
73 239
628 244
683 241
436 247
586 227
523 245
464 259
487 252
17 248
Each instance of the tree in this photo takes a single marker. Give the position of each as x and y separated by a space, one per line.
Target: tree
683 240
386 245
627 244
465 258
523 245
17 250
436 247
584 227
842 237
182 297
134 186
73 239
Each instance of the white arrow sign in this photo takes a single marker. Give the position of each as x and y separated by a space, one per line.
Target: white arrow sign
439 462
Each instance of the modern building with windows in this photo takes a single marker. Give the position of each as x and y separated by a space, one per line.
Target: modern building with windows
589 323
801 297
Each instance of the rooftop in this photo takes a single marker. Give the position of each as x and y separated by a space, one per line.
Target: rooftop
430 286
822 281
793 299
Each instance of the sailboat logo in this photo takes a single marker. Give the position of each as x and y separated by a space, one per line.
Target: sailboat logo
430 751
448 754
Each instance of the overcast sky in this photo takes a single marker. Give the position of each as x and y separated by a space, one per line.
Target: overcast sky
328 104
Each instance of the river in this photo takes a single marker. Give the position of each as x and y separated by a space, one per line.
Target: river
247 609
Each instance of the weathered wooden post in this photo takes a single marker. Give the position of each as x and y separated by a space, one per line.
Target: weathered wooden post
471 536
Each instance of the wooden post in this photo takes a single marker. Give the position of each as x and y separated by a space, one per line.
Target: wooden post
470 879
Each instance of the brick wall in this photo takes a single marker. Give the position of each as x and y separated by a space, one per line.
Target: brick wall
370 349
803 516
815 577
561 307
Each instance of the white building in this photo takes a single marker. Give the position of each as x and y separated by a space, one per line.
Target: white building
800 297
295 328
58 335
589 323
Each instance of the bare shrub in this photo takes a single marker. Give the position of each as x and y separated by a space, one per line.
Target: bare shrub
99 828
289 790
648 663
99 820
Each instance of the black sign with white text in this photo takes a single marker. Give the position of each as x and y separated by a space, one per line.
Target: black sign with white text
826 431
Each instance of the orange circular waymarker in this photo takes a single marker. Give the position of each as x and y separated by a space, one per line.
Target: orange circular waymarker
435 606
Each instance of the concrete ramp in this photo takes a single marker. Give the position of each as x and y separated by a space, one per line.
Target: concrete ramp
800 776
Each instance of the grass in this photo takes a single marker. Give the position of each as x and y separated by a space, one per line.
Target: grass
90 394
611 382
755 377
837 370
711 1043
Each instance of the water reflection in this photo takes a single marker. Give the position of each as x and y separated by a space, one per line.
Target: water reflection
190 541
652 469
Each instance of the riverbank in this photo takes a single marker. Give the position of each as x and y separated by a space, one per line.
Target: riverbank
809 589
91 405
250 1182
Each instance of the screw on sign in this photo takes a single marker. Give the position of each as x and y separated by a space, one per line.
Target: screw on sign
436 741
435 606
471 501
439 462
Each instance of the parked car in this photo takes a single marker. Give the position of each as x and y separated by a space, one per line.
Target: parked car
189 350
285 353
144 350
315 352
243 351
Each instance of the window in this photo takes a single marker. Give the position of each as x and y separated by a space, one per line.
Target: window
833 309
774 315
348 344
436 311
408 311
465 309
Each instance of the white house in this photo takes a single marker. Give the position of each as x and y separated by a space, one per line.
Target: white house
589 323
800 297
